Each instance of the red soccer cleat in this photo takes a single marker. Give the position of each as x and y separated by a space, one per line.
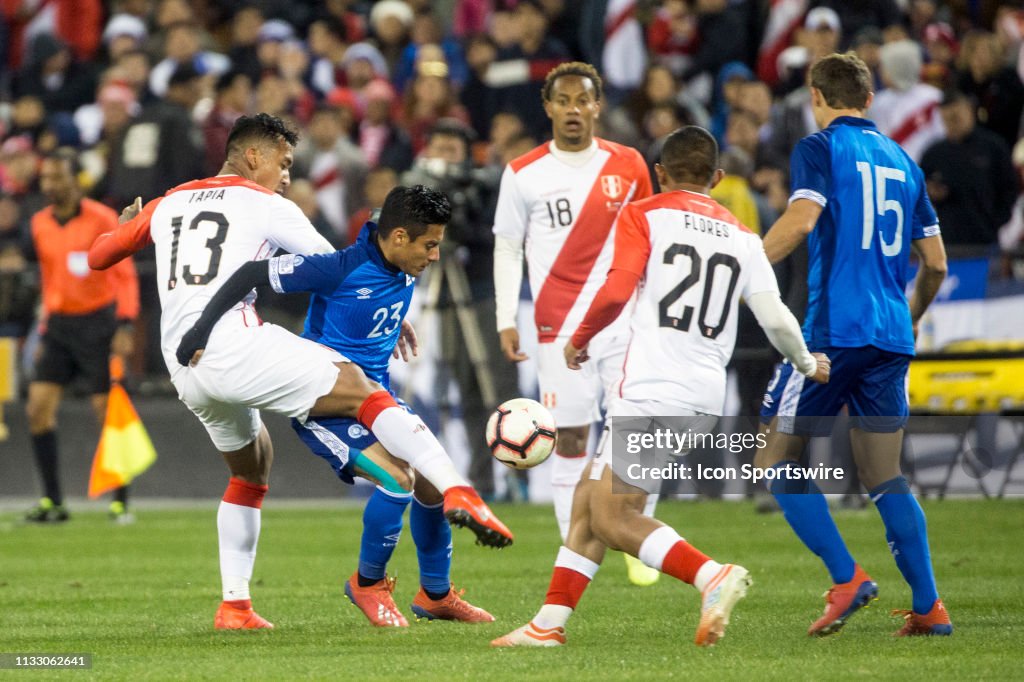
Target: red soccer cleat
238 615
844 600
464 508
935 622
376 602
451 607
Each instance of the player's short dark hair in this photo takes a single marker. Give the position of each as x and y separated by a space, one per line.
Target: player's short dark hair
581 69
414 208
259 129
844 80
66 155
690 154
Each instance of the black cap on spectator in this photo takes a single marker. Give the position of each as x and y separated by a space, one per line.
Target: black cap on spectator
183 74
953 96
227 79
869 35
455 128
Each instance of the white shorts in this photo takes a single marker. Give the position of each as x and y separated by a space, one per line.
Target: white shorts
247 369
620 407
578 397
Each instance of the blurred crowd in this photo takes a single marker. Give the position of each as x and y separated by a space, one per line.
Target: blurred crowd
446 92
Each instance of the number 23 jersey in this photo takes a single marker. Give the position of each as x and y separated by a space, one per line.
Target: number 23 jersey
566 214
205 230
696 260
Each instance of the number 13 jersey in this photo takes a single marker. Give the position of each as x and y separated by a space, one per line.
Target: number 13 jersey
696 260
205 230
566 214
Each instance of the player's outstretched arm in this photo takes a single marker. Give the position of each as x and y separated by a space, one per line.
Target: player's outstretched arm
791 229
783 332
508 279
129 237
932 254
244 280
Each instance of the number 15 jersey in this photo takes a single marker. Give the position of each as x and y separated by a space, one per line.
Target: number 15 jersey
696 260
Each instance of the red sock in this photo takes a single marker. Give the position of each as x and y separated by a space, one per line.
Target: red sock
374 404
240 604
683 561
566 587
245 494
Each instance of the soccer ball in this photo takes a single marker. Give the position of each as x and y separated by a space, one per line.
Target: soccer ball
521 433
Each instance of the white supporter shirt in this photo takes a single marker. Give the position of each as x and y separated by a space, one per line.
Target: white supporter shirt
564 205
910 117
699 261
204 231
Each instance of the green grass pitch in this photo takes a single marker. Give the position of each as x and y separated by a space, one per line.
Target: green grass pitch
141 600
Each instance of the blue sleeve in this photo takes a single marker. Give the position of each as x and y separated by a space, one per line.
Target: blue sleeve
926 222
319 274
811 170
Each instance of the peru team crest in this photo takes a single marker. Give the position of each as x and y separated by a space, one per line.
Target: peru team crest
612 186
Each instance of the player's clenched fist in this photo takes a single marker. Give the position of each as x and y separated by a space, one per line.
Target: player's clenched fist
824 370
130 212
574 356
510 345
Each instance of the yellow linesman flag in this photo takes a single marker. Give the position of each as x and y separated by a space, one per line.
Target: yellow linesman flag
125 450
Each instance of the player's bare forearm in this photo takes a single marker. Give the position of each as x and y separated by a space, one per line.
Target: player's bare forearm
790 230
247 277
932 255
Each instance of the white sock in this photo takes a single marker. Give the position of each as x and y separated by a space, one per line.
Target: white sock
655 546
408 438
557 615
552 616
565 474
238 532
708 570
651 505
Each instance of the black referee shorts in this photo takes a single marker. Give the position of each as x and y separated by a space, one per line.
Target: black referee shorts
78 346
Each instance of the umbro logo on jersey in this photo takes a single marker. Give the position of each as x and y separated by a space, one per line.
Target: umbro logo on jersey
364 293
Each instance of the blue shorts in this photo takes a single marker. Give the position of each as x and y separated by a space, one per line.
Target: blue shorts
339 440
871 382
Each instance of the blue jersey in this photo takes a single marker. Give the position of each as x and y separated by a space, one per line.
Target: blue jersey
874 202
358 304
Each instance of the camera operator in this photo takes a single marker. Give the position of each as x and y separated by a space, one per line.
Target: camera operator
467 266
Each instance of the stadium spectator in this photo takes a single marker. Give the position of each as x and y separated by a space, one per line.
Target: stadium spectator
87 316
427 31
52 74
328 42
382 140
19 173
182 45
941 48
379 182
995 87
672 35
722 37
245 31
76 23
477 96
18 282
233 95
116 108
390 23
971 179
123 33
856 16
867 45
907 109
429 98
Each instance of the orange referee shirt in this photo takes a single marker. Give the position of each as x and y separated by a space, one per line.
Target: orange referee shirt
70 287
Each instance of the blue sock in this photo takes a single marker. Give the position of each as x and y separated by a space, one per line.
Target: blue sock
382 524
433 538
907 533
806 510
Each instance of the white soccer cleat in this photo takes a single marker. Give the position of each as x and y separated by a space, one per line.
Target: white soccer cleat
531 635
717 601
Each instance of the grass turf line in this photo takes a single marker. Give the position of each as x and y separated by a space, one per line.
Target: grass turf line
141 599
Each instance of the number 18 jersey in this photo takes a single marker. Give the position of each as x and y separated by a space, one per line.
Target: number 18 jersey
204 231
696 260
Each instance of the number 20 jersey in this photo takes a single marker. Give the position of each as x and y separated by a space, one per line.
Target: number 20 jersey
204 231
566 214
696 260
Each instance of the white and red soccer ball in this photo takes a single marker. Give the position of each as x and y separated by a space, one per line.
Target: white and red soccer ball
521 433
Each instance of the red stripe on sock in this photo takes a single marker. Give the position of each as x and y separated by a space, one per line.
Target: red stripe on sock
568 456
240 604
683 561
371 408
566 587
245 494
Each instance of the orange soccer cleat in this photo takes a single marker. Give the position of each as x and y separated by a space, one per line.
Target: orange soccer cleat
238 615
935 622
464 508
531 635
844 600
376 602
451 607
